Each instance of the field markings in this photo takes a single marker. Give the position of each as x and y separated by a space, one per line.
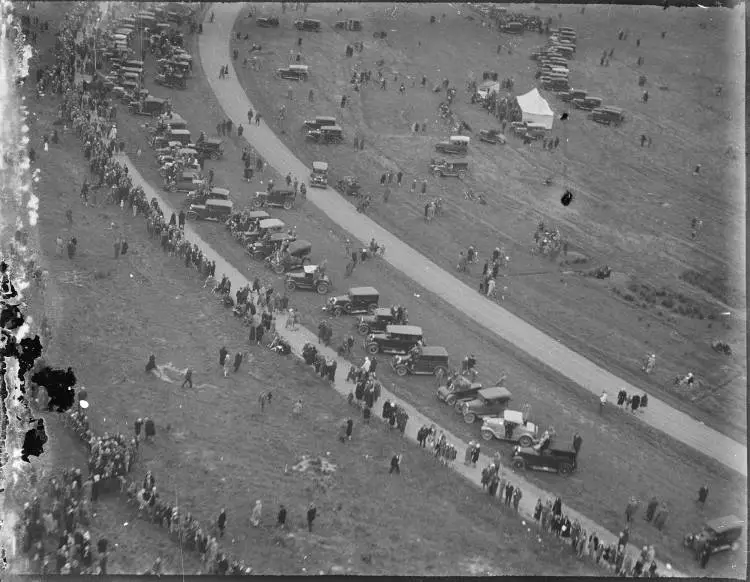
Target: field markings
214 52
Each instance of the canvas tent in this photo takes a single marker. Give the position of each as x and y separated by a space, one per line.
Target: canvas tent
487 88
535 109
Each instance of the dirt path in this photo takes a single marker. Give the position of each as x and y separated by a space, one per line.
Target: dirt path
298 339
214 52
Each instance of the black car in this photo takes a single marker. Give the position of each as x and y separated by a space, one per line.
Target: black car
357 300
270 22
397 339
548 459
380 319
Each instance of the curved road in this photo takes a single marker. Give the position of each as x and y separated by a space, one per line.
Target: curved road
215 52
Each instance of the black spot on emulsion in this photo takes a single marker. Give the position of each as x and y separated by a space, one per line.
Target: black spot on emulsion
34 441
567 198
59 386
30 351
7 289
11 317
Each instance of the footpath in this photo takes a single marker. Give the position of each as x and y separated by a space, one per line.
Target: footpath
215 52
301 336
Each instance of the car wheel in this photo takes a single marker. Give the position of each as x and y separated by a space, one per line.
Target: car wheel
278 268
373 348
487 434
401 371
519 464
363 329
470 418
287 204
214 155
440 370
458 405
322 288
566 469
450 400
525 441
290 285
258 203
337 312
371 308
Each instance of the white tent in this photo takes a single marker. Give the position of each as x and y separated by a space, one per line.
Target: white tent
535 109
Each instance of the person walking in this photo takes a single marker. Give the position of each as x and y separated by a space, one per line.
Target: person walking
703 494
237 361
227 367
312 513
395 465
577 442
602 402
188 378
223 353
631 509
281 518
651 509
257 513
221 522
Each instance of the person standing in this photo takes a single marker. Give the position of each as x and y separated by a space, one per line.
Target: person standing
223 353
188 378
221 522
256 514
312 513
237 361
703 494
577 442
651 508
227 367
631 508
395 465
602 402
281 519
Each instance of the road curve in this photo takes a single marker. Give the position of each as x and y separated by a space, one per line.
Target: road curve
214 52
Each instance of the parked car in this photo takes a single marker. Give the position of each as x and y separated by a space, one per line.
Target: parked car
281 197
350 24
294 72
308 278
266 227
511 426
456 144
431 360
170 81
217 210
718 535
492 136
210 148
608 115
152 106
381 318
444 168
296 257
185 182
349 186
356 300
266 247
319 175
307 24
270 22
200 196
181 135
487 402
397 339
551 460
457 391
318 122
326 134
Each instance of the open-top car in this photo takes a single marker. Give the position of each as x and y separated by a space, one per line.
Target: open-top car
356 300
511 426
308 278
279 197
270 22
217 210
295 257
457 391
432 360
456 144
397 339
445 168
319 121
549 459
381 318
266 247
718 535
487 402
492 136
319 175
349 186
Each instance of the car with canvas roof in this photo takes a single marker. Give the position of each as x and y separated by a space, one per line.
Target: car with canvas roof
217 210
511 426
456 144
453 169
326 134
356 300
457 391
551 460
319 175
487 402
308 278
307 24
717 535
279 197
429 360
265 229
266 247
397 339
185 182
318 122
294 72
381 318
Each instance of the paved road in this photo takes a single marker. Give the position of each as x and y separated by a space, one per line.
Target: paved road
298 338
214 52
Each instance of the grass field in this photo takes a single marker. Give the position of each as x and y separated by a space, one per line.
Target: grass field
633 206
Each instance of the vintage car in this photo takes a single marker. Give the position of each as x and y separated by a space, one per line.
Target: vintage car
201 195
319 175
266 247
511 426
457 391
152 106
167 122
295 257
181 135
718 535
266 228
308 278
349 24
487 402
551 460
349 186
294 72
212 210
456 144
492 136
608 115
326 134
430 360
445 168
210 148
397 339
307 24
185 182
356 300
170 81
280 197
381 318
318 122
270 22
